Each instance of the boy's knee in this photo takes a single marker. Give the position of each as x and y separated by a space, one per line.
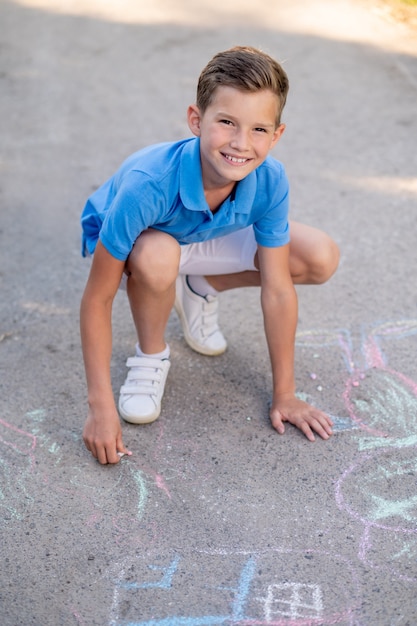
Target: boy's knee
326 260
154 259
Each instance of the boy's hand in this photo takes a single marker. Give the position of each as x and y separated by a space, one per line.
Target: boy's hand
103 436
302 415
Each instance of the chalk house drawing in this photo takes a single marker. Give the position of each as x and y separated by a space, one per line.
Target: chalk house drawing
234 588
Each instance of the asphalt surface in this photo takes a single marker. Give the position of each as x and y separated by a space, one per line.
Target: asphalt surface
215 519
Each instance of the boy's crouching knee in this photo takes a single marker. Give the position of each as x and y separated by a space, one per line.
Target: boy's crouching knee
154 259
326 261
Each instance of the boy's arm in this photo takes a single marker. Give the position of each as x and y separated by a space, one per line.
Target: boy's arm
102 431
280 310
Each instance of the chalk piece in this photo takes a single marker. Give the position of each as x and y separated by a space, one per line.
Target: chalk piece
319 388
313 376
355 383
121 454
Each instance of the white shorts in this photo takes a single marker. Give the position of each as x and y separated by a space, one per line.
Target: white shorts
229 254
224 255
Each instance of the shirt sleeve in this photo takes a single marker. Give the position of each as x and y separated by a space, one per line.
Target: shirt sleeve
138 204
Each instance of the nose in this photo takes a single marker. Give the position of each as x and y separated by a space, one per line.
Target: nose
240 141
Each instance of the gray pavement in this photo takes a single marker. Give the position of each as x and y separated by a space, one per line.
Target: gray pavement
215 519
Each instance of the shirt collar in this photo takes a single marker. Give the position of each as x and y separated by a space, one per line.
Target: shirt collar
191 182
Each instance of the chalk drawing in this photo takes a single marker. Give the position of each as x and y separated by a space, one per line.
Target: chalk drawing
379 489
30 459
239 588
17 462
379 401
164 583
293 600
23 472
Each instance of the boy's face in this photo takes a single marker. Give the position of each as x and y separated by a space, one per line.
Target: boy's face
237 131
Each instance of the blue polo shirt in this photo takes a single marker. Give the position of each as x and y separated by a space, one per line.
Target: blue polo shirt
162 187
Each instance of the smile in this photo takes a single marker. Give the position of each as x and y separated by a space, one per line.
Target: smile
236 160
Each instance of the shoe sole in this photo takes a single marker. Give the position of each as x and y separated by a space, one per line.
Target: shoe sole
188 337
140 420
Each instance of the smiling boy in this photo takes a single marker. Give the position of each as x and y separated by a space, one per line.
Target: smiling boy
184 221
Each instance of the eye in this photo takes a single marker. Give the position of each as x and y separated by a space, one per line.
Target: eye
260 130
227 122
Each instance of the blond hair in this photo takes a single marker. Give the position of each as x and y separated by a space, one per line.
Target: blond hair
244 68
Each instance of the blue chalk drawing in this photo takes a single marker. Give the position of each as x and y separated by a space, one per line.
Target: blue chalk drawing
164 583
237 614
255 600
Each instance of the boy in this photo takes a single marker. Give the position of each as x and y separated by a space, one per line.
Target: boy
185 221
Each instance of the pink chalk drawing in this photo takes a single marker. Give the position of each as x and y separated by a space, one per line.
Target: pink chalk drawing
379 489
24 469
389 409
379 400
31 459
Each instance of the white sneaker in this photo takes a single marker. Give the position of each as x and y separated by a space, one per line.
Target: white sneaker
141 395
198 316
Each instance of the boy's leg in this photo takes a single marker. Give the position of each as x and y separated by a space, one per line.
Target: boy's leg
196 302
198 313
151 268
231 262
314 258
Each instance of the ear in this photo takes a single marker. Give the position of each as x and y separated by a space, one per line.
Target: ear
277 135
194 119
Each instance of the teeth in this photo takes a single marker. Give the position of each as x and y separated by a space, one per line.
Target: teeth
234 159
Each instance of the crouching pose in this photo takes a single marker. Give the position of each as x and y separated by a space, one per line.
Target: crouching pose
180 223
